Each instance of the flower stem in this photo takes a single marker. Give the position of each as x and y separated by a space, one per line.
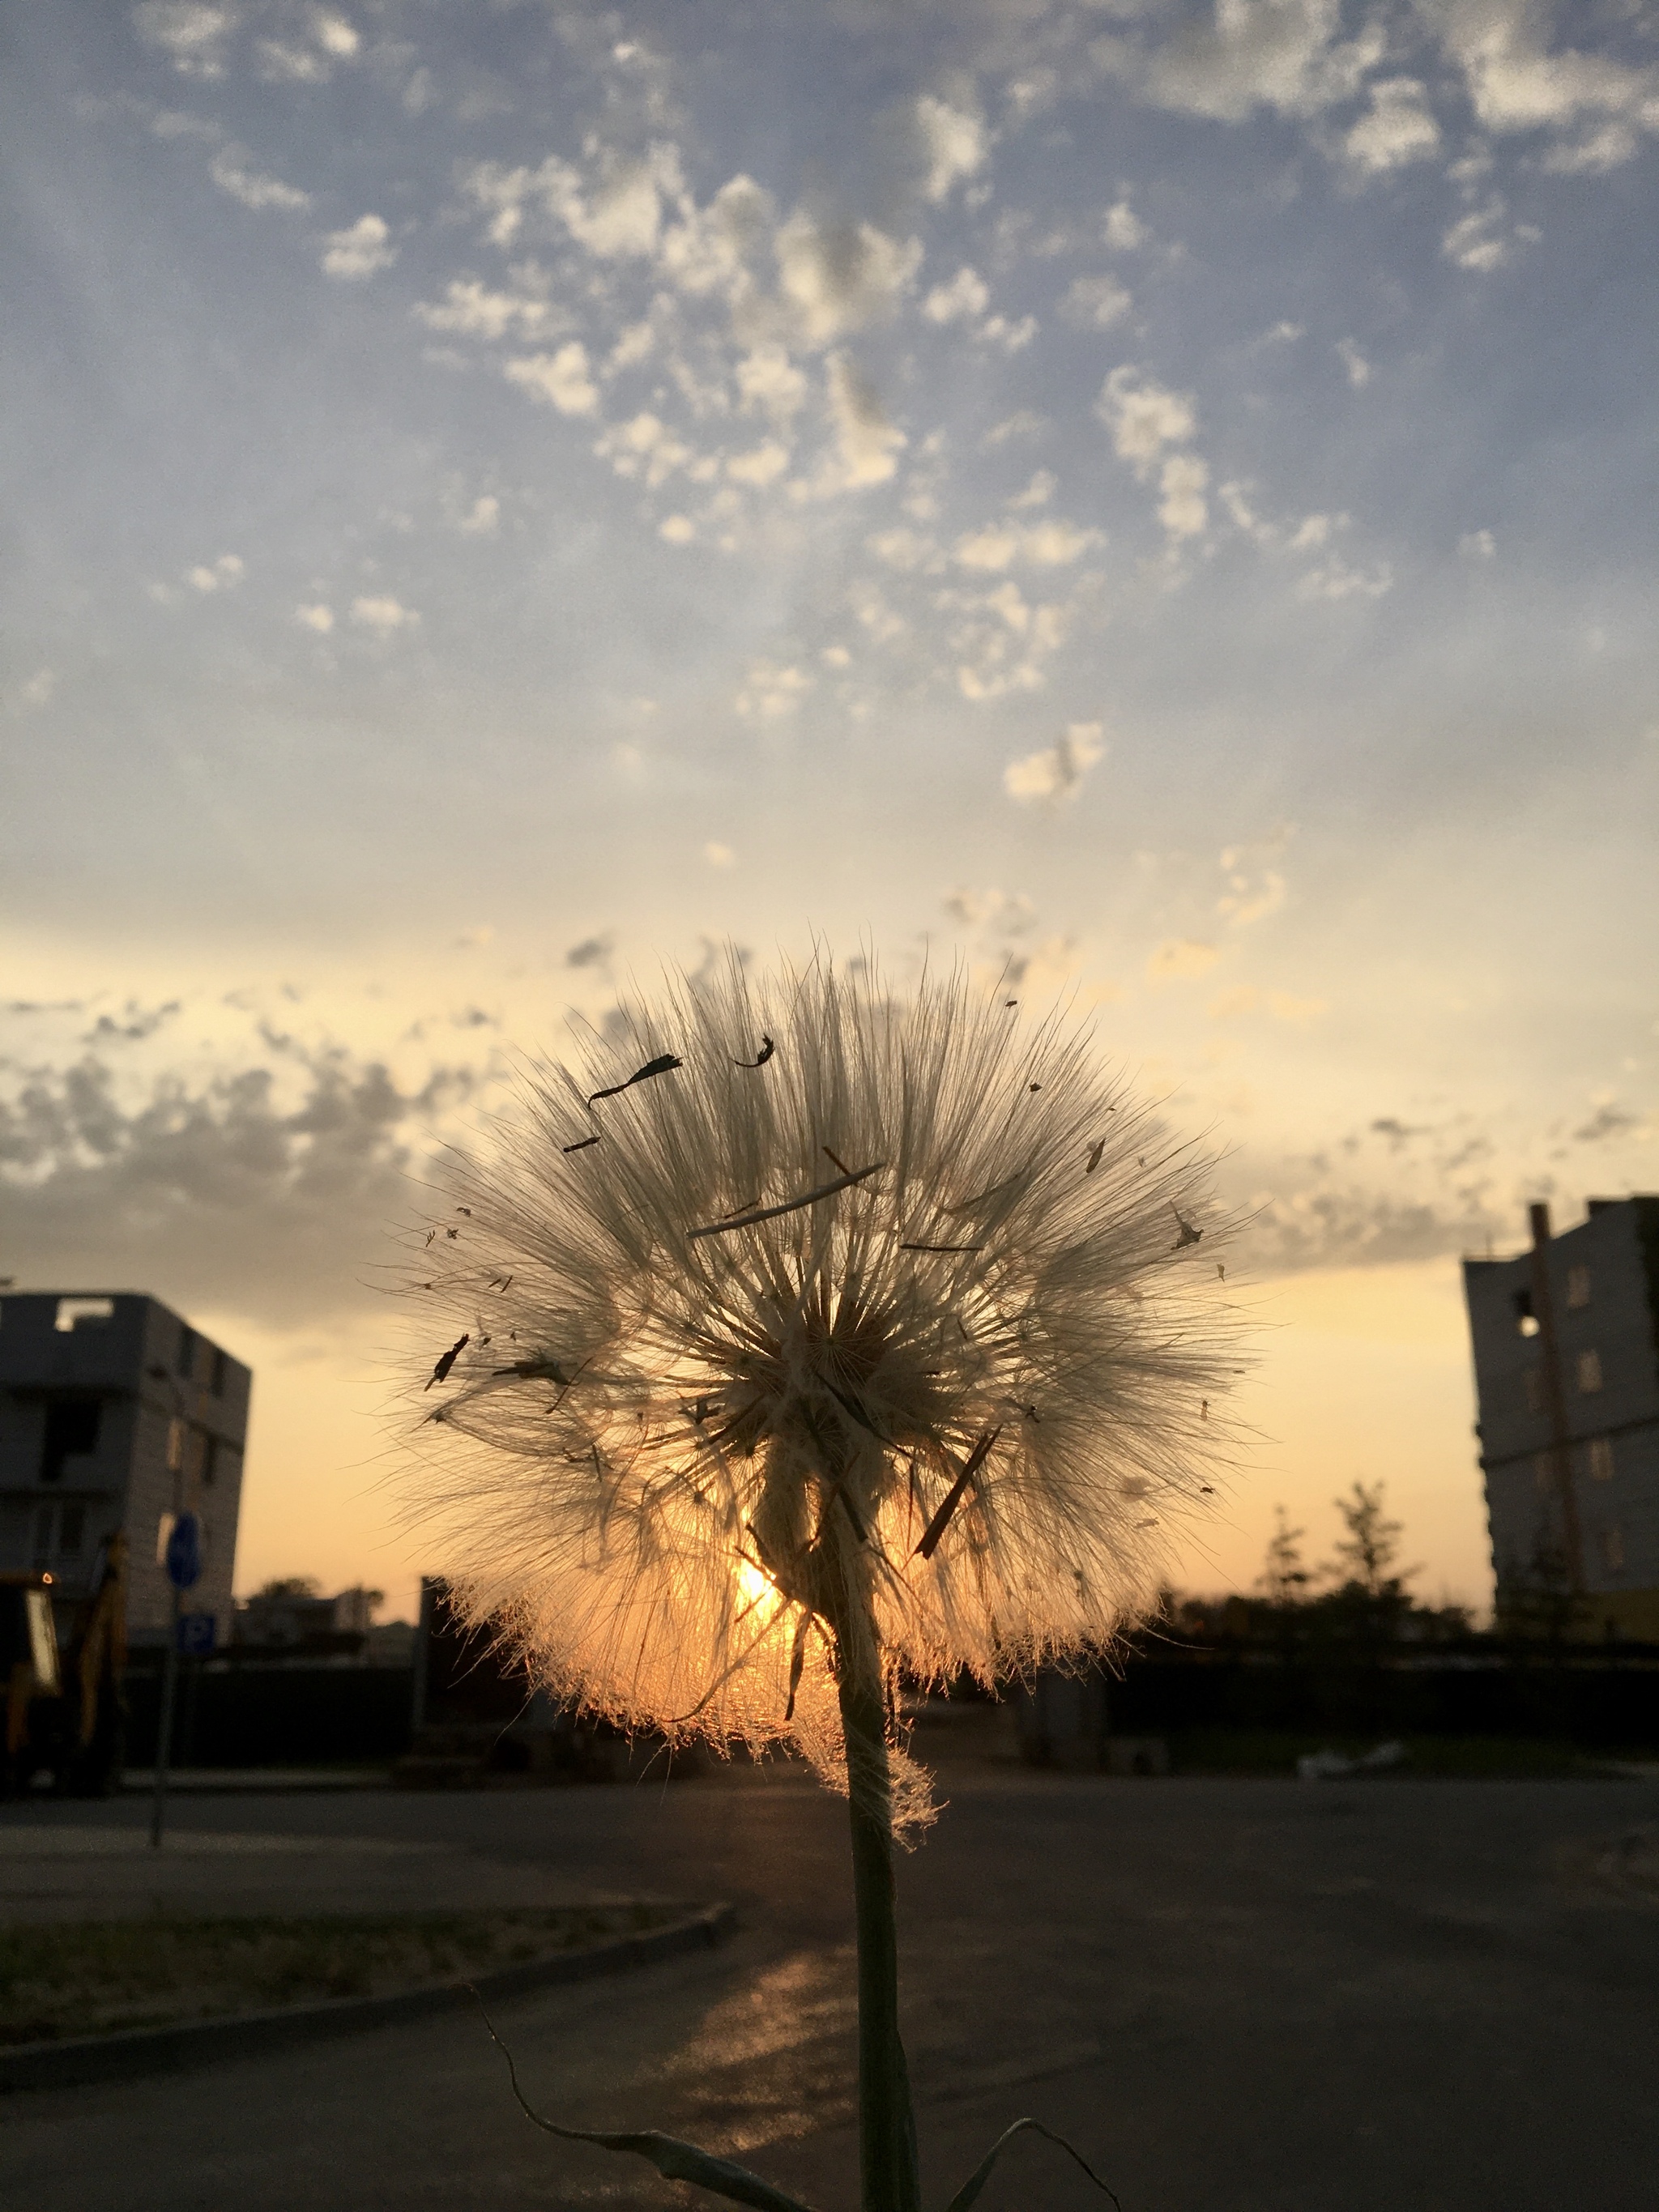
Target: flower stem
889 2179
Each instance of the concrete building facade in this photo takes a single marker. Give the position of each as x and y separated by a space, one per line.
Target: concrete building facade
115 1415
1565 1339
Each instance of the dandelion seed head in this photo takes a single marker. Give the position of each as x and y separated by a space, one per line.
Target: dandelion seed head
697 1493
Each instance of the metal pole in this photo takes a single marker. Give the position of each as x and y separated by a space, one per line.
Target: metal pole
164 1731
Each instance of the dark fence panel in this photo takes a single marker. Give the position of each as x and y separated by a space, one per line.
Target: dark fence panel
1600 1704
273 1716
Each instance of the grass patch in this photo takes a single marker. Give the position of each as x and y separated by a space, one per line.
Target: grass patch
1274 1751
91 1977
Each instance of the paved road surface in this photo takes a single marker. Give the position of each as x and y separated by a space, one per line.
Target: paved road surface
1235 1996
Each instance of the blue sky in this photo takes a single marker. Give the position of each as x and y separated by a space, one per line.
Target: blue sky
1163 495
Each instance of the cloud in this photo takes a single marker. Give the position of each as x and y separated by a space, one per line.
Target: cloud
837 277
643 446
1477 546
384 616
965 296
771 691
1358 368
1181 508
954 144
1048 544
769 381
482 518
38 690
1180 960
1144 418
1023 423
1514 83
1095 303
867 445
592 952
1398 128
319 618
226 572
211 1190
360 250
1286 55
1122 228
1609 1119
761 466
719 856
1056 772
1475 241
676 530
471 309
228 170
1336 579
191 34
562 379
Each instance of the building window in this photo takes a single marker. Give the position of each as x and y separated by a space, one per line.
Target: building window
217 1385
1589 1373
1600 1459
1612 1549
60 1532
1525 1319
1533 1380
1578 1286
71 1432
186 1360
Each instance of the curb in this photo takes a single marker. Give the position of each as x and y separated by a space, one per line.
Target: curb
132 2052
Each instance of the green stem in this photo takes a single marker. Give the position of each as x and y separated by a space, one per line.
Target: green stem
889 2174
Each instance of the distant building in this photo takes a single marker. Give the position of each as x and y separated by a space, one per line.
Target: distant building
1566 1364
115 1415
293 1620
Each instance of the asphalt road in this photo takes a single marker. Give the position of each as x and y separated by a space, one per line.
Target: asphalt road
1232 1994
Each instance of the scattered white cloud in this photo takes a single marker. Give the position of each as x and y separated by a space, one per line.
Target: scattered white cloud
1336 579
771 691
642 447
867 445
1057 772
954 141
964 297
761 466
906 549
385 615
360 250
230 172
1476 241
562 379
1477 546
482 518
837 277
770 383
1023 423
1358 368
1096 302
1049 544
1040 491
1143 417
719 855
1398 127
39 689
317 617
1514 83
1122 228
190 32
1181 507
1180 960
472 309
1286 55
676 530
224 575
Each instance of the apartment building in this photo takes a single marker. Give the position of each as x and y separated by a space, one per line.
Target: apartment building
1565 1338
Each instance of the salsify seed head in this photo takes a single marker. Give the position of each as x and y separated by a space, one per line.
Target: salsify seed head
844 1331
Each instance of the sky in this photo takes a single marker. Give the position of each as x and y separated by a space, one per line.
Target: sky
1154 501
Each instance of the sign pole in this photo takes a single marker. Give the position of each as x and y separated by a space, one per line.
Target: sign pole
164 1730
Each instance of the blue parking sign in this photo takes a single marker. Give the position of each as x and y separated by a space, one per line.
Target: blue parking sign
184 1552
196 1634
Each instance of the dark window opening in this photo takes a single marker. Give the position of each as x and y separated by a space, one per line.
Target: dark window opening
209 1459
1525 1319
187 1351
218 1382
71 1431
71 1527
